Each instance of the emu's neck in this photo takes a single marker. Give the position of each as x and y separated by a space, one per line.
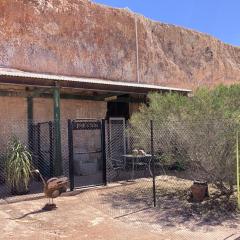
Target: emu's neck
43 180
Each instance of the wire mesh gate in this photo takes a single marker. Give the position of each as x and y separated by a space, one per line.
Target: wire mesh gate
42 148
87 164
116 147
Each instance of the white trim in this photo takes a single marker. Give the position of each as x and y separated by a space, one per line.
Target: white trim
86 80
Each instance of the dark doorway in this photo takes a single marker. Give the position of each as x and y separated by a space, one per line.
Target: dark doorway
117 109
42 148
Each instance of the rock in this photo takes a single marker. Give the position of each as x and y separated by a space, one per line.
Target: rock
81 38
141 152
134 152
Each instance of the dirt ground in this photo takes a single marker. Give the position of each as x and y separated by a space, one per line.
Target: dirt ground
123 212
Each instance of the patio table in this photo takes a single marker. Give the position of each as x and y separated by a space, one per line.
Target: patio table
136 158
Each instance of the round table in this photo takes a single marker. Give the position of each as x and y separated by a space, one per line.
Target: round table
134 159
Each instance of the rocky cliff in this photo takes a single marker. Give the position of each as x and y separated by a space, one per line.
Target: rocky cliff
80 38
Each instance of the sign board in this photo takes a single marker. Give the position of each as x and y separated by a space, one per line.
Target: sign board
86 125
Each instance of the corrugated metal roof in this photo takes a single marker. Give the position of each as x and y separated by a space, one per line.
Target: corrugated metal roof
82 80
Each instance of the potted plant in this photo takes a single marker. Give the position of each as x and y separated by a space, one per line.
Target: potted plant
18 167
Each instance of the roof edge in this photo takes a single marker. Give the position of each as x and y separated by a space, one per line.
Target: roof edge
43 76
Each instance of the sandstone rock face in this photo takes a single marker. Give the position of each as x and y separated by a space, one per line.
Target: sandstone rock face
80 38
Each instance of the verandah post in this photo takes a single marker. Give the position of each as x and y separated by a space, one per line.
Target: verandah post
57 132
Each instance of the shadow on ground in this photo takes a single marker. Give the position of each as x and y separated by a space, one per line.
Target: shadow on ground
173 206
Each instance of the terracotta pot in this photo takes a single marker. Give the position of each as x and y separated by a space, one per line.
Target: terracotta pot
199 191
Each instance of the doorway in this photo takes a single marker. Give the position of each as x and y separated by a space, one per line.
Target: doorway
117 110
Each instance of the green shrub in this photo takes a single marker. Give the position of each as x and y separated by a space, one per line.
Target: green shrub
18 166
200 130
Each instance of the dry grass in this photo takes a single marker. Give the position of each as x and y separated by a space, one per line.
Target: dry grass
173 206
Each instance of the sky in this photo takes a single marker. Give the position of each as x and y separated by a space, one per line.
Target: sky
219 18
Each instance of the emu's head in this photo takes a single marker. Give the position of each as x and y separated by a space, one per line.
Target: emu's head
36 171
40 175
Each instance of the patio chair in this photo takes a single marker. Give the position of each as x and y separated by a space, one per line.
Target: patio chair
142 164
118 166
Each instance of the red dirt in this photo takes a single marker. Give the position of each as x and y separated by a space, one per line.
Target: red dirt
79 217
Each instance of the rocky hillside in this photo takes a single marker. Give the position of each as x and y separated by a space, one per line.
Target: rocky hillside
78 37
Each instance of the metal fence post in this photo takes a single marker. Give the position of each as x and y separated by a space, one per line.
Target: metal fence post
30 122
103 139
238 179
39 152
51 157
70 154
153 164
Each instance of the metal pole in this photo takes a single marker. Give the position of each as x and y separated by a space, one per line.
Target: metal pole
238 179
70 154
39 159
50 125
104 159
57 132
153 164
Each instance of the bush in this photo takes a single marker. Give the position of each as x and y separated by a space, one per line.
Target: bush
18 166
199 132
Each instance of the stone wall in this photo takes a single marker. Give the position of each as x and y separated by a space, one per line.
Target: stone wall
85 39
13 120
72 109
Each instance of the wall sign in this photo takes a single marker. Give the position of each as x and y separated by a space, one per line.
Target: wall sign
82 125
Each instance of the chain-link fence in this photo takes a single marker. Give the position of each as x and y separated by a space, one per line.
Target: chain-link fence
25 146
172 165
196 152
15 146
128 161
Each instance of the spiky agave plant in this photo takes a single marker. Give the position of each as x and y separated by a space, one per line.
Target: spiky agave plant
18 166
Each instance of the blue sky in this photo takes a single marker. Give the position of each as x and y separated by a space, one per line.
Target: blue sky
220 18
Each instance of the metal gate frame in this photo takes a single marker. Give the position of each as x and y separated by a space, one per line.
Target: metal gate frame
85 124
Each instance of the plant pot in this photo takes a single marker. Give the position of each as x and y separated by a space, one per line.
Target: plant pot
20 190
199 191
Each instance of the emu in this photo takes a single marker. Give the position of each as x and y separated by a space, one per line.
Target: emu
52 188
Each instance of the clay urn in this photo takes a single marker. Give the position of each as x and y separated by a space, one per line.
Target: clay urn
199 191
